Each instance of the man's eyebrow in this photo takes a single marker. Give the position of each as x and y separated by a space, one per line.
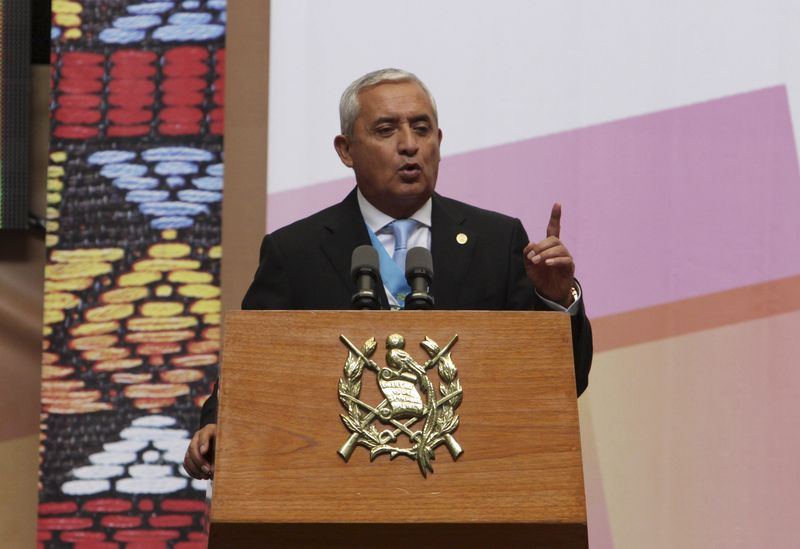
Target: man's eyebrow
420 118
385 119
394 119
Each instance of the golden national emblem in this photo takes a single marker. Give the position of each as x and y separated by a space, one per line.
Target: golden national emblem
409 398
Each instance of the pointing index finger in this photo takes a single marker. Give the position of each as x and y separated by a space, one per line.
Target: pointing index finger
554 225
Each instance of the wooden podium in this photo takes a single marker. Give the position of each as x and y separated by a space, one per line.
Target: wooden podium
280 482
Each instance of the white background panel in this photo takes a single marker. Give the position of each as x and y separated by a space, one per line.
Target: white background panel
509 70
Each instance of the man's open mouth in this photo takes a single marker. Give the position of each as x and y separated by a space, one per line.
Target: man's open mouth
410 170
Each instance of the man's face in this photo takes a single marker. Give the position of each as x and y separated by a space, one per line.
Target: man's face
394 149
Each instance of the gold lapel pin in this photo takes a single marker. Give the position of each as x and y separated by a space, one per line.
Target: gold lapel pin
461 238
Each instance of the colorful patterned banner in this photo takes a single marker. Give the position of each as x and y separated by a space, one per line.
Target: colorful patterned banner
132 305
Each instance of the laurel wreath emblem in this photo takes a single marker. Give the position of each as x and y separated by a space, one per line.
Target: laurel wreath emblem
439 413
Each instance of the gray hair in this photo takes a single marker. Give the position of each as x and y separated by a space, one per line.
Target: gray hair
348 104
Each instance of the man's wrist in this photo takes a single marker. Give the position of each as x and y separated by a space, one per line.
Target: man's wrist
572 296
572 308
567 299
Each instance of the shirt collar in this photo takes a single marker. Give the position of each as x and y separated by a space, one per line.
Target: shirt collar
377 220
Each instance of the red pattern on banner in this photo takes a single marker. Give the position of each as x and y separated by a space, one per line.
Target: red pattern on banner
64 523
132 93
121 521
82 72
133 71
80 101
129 116
130 100
170 521
146 505
183 505
181 85
81 58
186 54
128 131
217 114
76 132
146 535
96 545
80 86
173 99
171 128
107 505
78 116
58 508
132 86
182 115
185 68
82 536
81 75
132 90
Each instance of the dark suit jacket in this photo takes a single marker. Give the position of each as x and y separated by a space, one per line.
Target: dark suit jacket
306 265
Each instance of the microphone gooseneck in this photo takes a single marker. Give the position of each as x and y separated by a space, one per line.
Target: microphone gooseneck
419 273
364 269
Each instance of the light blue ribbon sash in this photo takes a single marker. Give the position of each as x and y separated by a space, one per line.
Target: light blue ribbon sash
394 279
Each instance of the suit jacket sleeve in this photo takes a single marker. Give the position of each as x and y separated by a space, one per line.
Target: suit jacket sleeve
270 288
522 296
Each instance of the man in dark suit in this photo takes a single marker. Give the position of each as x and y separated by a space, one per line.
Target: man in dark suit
482 260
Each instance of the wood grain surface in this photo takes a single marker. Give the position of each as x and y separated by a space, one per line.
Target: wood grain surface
279 424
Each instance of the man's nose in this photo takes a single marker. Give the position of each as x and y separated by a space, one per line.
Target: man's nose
407 141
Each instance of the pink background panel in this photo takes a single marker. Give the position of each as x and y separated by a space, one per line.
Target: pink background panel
659 207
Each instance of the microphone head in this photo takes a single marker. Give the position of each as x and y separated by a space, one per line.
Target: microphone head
419 262
365 258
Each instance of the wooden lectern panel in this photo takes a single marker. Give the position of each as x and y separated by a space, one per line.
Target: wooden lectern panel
280 426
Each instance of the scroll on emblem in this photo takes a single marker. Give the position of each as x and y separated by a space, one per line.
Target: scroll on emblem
410 398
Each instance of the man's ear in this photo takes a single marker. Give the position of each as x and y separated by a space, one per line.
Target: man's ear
342 146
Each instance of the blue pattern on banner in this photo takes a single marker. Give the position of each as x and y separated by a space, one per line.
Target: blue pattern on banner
177 153
123 169
188 33
170 165
169 222
137 22
172 208
190 195
183 18
146 196
151 7
122 36
110 157
208 183
176 168
135 183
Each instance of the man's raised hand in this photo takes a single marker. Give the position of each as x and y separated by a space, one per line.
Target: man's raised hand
549 264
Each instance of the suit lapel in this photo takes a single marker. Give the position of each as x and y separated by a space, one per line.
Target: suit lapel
345 230
452 246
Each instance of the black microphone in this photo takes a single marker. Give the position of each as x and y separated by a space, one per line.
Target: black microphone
419 273
364 270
